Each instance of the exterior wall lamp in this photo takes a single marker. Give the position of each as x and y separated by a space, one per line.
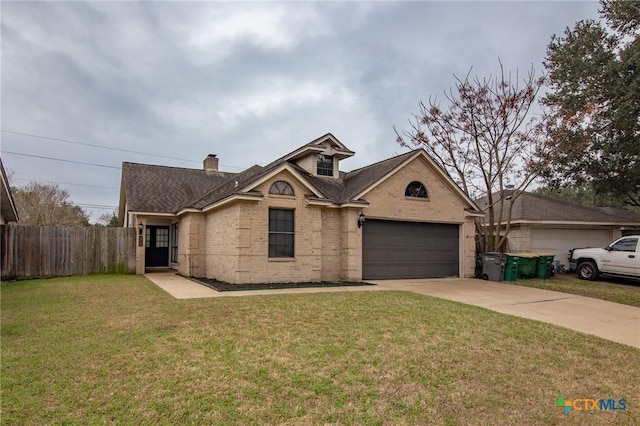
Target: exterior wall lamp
140 237
361 219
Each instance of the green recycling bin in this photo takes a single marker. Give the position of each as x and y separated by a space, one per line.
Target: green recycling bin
511 268
543 269
527 265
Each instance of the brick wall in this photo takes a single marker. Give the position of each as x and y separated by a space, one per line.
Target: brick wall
443 205
306 264
232 241
332 255
351 245
221 243
519 238
191 245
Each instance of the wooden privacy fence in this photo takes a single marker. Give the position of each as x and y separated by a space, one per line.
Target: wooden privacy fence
47 251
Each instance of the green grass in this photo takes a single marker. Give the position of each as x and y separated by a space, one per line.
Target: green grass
118 350
625 294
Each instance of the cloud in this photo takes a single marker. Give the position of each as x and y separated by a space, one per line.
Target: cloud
247 81
268 27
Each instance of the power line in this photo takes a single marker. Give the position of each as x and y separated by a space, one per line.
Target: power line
111 148
96 206
97 146
60 159
67 183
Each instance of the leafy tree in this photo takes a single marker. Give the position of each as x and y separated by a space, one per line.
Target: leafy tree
488 140
108 219
583 194
47 205
594 96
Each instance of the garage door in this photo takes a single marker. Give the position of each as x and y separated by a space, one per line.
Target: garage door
559 241
392 249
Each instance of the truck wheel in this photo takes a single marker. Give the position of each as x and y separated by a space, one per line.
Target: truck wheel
587 271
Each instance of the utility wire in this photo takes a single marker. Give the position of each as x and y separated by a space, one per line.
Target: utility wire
60 159
97 146
67 183
110 148
96 206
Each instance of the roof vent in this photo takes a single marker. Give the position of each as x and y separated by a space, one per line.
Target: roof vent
210 164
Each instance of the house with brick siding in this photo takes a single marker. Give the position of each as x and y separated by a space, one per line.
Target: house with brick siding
301 219
543 224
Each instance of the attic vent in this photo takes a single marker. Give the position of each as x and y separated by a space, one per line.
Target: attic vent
210 164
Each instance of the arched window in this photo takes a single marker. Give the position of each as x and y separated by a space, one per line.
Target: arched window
281 188
416 189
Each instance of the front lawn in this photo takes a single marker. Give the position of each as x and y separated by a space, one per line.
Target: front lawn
605 290
118 350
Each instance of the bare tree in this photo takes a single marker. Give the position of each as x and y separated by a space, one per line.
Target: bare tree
47 205
489 140
108 219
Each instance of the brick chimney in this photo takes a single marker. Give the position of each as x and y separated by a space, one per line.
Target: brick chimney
210 164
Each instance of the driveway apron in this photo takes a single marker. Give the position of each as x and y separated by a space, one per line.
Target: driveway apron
609 320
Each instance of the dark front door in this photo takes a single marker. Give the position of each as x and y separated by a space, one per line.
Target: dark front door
394 250
157 246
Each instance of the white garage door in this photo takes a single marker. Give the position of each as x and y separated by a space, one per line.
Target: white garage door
559 241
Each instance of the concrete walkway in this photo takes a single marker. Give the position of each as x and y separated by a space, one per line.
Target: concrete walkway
183 288
612 321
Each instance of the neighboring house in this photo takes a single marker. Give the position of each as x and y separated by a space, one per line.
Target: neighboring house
8 210
300 219
542 224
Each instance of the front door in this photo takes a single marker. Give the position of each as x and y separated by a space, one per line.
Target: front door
156 252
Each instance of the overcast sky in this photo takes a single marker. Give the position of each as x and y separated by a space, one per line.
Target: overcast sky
249 82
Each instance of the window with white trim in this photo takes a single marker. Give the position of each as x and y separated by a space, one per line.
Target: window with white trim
281 233
325 165
416 189
281 188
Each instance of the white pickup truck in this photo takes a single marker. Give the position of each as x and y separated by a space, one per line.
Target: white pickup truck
620 258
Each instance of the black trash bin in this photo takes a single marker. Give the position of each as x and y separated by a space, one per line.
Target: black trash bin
493 264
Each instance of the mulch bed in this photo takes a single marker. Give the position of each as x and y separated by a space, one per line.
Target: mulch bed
222 286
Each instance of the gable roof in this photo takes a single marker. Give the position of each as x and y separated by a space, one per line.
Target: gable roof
315 146
161 189
7 203
530 207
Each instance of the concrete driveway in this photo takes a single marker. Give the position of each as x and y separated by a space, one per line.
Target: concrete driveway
612 321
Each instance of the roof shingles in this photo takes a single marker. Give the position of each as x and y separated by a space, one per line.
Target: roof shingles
540 208
161 189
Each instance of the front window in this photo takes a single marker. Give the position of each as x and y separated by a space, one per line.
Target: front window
325 165
281 188
174 242
416 189
281 233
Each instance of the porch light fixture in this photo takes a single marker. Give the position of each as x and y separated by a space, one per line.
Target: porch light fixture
361 219
140 237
